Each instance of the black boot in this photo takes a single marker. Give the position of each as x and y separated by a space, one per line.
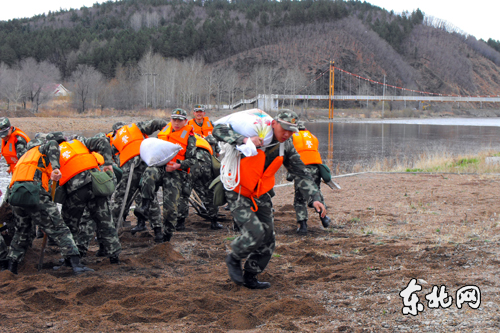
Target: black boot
158 235
214 225
302 230
181 224
167 236
77 267
234 269
235 227
325 221
141 226
142 212
4 265
114 259
101 252
13 266
250 281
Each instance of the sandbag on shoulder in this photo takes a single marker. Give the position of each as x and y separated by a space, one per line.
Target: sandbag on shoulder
157 152
260 121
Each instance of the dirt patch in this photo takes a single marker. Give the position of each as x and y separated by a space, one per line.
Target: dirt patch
388 229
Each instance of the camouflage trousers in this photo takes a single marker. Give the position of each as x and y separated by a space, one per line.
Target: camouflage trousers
4 249
200 179
299 202
99 211
119 195
257 240
47 216
172 184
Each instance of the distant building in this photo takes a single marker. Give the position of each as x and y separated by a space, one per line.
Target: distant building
56 89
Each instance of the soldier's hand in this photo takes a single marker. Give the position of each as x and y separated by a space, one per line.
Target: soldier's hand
55 175
107 168
320 208
257 140
172 167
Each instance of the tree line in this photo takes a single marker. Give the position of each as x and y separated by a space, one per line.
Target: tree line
155 82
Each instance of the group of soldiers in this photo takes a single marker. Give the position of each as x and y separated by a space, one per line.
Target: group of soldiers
53 160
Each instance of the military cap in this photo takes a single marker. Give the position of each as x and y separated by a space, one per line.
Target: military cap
179 114
118 125
199 107
288 120
56 136
4 126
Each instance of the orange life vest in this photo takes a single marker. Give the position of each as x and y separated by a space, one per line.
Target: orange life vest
202 143
205 129
181 137
127 141
26 167
254 180
306 145
9 148
75 158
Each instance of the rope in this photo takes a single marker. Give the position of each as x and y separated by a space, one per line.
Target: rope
230 167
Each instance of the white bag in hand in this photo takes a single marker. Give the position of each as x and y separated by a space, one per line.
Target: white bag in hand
156 152
250 123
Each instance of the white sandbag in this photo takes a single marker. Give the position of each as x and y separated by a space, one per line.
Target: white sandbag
250 123
156 152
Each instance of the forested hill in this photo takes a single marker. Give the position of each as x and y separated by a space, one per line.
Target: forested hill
409 49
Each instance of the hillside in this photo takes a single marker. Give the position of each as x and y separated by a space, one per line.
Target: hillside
297 39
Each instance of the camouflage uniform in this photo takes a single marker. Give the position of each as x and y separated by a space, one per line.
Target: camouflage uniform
21 148
172 184
257 241
300 202
46 214
80 196
147 128
200 176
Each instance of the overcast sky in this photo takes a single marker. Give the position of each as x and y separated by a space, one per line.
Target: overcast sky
478 17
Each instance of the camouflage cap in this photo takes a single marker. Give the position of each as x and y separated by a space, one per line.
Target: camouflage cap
118 125
56 136
288 120
199 107
179 114
4 126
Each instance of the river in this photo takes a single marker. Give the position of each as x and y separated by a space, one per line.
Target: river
364 143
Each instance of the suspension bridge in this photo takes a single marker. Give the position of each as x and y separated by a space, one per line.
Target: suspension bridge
271 101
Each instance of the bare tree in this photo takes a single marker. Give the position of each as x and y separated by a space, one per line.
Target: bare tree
14 85
86 82
39 78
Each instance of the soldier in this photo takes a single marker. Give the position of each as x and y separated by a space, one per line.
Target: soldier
127 141
201 124
14 142
306 145
171 177
37 165
77 160
251 205
200 177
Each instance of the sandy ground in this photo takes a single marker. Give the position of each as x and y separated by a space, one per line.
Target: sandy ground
441 230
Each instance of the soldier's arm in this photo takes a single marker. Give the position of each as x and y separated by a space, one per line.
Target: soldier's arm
101 146
21 146
225 133
295 166
150 126
51 150
190 157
